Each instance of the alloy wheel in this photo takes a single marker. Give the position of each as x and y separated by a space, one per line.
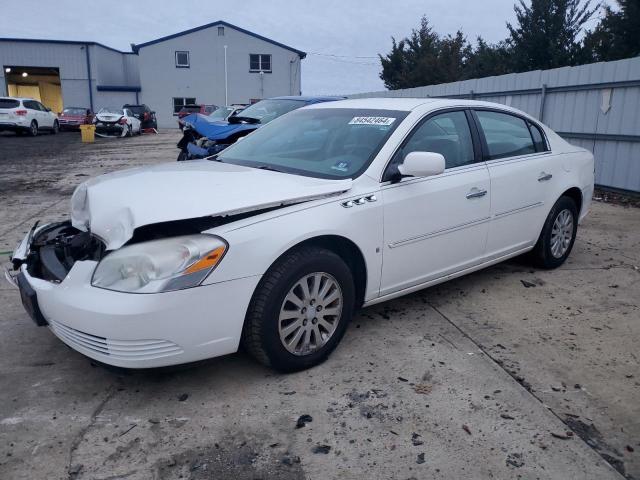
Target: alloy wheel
310 313
561 233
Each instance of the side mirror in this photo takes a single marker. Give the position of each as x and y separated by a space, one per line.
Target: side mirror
422 164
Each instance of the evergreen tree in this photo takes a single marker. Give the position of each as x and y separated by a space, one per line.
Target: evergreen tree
547 33
618 34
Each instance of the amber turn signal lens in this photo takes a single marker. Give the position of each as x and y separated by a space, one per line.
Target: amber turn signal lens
210 260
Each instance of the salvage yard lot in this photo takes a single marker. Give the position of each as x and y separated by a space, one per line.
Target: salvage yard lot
508 372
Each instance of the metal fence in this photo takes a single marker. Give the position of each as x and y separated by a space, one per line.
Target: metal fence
595 106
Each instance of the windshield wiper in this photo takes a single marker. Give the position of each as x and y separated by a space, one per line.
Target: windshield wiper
238 119
269 167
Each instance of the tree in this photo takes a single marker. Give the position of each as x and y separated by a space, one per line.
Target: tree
486 60
547 33
617 35
424 58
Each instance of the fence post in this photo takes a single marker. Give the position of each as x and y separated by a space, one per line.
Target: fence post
471 94
543 95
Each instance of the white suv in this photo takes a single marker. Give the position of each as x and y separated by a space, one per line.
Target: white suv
26 115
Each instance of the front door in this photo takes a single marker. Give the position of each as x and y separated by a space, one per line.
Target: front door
437 225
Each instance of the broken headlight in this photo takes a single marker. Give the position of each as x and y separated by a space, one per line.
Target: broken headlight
160 265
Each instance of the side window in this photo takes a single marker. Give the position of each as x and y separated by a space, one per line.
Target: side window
41 107
506 135
30 104
538 138
447 134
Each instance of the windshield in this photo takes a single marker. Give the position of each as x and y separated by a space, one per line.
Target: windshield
318 142
111 110
138 109
266 110
74 111
221 114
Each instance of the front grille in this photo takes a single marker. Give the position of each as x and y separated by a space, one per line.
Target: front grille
117 349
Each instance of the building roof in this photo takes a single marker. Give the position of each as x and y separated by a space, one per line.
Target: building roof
219 23
68 42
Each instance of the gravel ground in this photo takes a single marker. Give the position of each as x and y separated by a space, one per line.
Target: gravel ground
510 372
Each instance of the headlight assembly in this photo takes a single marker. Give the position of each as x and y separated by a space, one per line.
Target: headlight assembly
160 265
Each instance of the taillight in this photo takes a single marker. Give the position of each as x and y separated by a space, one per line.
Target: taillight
123 121
20 112
146 116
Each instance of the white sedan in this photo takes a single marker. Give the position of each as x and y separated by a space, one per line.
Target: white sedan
275 242
116 122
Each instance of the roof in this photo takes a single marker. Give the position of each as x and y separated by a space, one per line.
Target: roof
63 42
17 98
219 23
308 98
404 104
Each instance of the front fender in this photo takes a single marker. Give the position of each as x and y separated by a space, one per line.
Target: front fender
253 248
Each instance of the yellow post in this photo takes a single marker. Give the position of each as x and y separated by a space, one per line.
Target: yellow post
88 133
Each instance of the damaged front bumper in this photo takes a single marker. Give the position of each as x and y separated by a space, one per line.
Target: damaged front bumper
106 129
124 329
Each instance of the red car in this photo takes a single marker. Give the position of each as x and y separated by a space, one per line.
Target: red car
189 109
72 117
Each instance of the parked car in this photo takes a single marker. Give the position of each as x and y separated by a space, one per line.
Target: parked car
277 240
146 116
205 136
26 115
72 117
116 122
189 109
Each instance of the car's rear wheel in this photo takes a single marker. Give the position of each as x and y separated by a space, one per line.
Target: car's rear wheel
56 128
300 310
33 128
558 234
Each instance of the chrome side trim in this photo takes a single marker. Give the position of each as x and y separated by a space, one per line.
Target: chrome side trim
437 233
419 238
518 210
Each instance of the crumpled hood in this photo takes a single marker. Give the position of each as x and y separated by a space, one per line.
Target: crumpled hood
112 206
216 130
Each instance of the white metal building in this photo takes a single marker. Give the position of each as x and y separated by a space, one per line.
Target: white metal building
217 63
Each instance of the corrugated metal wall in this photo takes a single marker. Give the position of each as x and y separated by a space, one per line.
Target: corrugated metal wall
595 106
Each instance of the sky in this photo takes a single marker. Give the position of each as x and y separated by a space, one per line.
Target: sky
342 38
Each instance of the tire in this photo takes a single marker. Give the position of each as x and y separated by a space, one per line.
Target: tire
33 129
56 128
182 156
129 131
554 244
263 328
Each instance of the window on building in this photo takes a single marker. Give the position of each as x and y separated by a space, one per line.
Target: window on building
182 59
180 102
221 31
259 62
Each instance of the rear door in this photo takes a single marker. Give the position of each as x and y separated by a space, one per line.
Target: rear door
522 172
46 116
437 225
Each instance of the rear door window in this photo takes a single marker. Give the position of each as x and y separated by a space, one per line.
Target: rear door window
506 135
9 103
538 138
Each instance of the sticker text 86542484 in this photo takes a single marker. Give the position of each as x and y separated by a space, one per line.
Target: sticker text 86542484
381 121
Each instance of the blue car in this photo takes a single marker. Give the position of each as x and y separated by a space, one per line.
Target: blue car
203 137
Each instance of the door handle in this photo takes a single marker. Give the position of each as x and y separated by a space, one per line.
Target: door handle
544 177
476 193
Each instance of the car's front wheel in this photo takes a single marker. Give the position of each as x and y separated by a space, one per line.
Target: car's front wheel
558 234
300 310
56 128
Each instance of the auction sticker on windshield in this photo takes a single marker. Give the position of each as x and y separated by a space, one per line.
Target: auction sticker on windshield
384 121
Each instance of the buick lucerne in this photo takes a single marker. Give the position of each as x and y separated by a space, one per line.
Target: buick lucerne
276 241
